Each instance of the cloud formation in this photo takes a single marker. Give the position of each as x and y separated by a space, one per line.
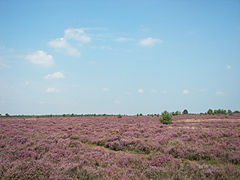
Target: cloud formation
3 65
105 89
56 75
67 44
40 58
140 91
150 41
123 39
116 102
219 93
185 91
51 90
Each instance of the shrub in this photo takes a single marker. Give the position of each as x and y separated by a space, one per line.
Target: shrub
176 113
210 111
220 111
119 116
166 118
230 112
185 111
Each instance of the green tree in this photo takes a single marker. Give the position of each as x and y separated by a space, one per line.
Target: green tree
210 111
185 111
166 118
230 112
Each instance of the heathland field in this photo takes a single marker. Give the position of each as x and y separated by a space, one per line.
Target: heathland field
128 147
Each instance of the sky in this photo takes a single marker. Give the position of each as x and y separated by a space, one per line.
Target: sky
127 57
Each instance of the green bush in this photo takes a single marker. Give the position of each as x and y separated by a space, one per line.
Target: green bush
185 111
230 112
210 111
166 118
119 116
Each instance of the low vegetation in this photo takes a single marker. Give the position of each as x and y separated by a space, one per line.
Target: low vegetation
166 118
106 147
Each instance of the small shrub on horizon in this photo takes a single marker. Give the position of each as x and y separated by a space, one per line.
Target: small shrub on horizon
210 111
166 118
119 116
230 112
185 111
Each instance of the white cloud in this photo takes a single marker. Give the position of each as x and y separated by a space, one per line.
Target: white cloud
149 42
163 92
51 90
66 45
106 47
26 83
140 91
92 62
105 89
154 91
58 43
219 93
3 65
40 58
4 49
116 102
56 75
61 44
76 34
203 90
228 67
123 39
185 91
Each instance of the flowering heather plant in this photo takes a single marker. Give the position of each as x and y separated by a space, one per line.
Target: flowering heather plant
192 147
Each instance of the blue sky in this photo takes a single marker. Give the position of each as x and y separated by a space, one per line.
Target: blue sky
123 57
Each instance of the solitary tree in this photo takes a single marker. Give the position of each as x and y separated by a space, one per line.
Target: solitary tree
166 118
230 112
210 111
185 111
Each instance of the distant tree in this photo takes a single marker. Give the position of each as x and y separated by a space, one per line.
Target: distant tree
220 111
230 112
119 116
140 114
7 115
210 111
224 111
166 118
236 112
185 111
177 113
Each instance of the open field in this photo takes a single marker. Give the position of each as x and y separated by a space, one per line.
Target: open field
193 147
